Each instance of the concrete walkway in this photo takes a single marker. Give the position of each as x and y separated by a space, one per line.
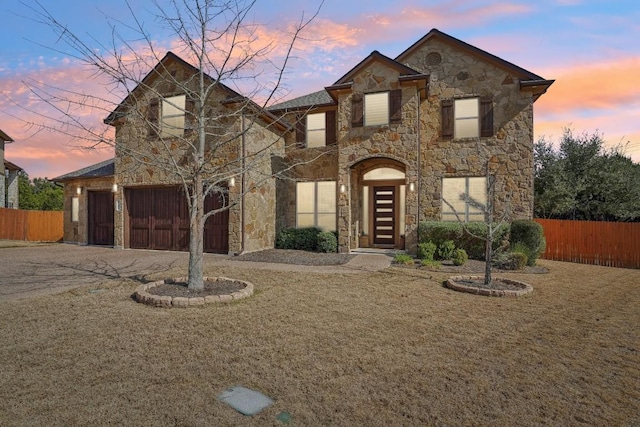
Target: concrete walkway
30 269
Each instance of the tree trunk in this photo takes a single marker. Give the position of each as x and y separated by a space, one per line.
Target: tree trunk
487 255
196 237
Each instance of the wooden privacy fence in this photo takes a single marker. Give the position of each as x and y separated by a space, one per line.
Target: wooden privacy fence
34 226
614 244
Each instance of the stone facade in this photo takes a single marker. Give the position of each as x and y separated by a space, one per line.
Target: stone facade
266 158
415 145
78 231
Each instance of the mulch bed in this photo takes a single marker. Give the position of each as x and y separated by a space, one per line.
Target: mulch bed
179 289
473 267
290 256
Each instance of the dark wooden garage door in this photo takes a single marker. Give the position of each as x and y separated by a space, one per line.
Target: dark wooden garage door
100 218
159 219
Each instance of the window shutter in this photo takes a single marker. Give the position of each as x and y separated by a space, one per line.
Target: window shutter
395 106
301 130
486 117
447 118
357 110
153 116
330 118
190 117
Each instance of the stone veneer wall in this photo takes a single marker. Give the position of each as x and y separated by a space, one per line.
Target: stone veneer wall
509 152
397 142
78 232
263 144
135 148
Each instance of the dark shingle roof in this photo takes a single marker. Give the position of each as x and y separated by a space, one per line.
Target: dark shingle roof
99 170
321 97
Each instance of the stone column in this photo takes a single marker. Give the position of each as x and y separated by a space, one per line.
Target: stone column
13 200
3 196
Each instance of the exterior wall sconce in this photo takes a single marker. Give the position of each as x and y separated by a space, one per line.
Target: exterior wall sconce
232 182
412 187
78 190
343 188
114 188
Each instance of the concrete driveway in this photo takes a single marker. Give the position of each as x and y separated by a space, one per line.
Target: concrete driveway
28 270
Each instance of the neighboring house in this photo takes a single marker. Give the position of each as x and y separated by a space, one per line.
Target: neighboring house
9 195
370 156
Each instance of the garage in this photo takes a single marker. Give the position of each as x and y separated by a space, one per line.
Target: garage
100 213
158 218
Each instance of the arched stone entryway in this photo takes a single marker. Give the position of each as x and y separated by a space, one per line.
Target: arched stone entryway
378 203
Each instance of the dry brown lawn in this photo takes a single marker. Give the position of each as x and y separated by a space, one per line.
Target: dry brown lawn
388 348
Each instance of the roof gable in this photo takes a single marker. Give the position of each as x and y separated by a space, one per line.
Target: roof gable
376 56
479 53
156 72
4 137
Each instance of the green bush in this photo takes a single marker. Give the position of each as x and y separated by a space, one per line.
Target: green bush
426 251
440 231
446 249
403 259
286 238
511 261
305 239
429 263
460 256
528 235
327 241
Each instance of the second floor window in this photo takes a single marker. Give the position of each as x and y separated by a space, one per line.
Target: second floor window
316 130
376 109
173 113
467 118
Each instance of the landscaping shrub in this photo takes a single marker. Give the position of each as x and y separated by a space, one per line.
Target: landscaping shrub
446 249
327 241
529 236
510 261
440 231
286 238
460 256
305 239
403 259
429 263
426 251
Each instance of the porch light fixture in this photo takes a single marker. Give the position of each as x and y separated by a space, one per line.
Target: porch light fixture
232 182
343 188
114 188
78 190
412 187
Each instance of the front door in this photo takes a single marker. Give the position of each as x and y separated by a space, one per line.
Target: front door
384 215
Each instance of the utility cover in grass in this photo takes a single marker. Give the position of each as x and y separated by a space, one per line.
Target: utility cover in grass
244 400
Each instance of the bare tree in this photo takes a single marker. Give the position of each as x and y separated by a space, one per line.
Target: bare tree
226 58
492 227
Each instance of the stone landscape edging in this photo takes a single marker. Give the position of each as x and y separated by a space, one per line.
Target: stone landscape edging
142 296
453 284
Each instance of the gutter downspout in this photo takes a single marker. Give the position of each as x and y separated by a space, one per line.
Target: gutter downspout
418 165
242 186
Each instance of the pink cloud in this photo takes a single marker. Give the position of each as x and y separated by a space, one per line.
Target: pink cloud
604 85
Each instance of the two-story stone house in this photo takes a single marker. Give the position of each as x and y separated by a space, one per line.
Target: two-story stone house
391 143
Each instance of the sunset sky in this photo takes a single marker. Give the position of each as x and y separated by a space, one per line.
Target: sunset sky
591 49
